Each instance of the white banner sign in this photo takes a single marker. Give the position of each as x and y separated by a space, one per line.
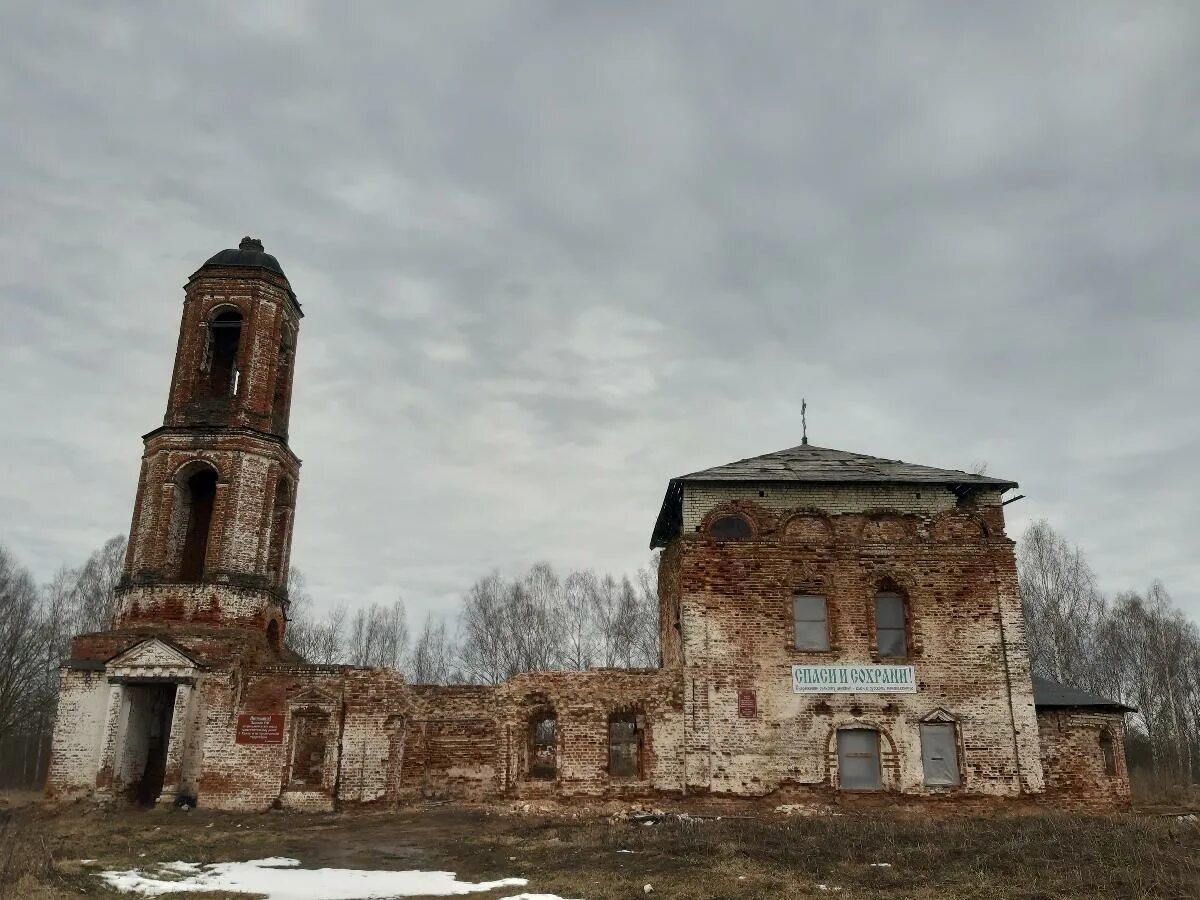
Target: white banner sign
853 680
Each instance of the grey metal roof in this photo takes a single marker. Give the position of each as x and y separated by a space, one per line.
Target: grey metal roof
820 464
814 465
249 254
1049 694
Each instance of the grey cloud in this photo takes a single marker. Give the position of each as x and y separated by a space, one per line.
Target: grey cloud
553 254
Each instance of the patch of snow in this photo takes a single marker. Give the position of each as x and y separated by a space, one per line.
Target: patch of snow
881 865
86 862
279 878
624 851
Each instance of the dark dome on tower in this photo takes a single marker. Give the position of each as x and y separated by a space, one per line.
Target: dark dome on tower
249 254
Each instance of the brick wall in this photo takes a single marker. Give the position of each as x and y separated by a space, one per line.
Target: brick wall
1074 761
78 728
966 640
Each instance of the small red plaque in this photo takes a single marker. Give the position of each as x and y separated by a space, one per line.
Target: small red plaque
747 704
260 729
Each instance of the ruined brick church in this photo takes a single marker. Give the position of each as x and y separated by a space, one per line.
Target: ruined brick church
832 625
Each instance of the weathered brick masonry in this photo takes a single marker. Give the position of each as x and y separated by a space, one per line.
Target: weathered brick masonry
776 572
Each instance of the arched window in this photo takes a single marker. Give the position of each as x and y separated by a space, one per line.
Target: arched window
891 625
730 528
1107 752
273 634
195 491
281 515
543 745
220 360
624 746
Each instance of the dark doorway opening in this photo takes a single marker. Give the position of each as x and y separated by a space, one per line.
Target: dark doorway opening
201 490
148 736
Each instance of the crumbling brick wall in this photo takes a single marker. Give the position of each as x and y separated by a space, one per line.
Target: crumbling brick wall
82 704
956 569
1078 770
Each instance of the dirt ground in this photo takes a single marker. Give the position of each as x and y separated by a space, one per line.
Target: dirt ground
604 853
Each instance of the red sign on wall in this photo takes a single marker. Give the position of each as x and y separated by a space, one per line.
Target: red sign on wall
747 704
260 729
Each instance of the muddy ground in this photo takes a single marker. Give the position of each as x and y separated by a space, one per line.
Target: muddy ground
576 853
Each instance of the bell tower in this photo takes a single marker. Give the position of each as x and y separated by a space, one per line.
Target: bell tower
212 521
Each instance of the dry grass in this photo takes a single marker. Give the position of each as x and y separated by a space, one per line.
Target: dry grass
1031 856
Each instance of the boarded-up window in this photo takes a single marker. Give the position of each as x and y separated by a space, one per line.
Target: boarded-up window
730 528
810 621
624 747
858 760
543 740
308 749
939 754
1107 753
890 631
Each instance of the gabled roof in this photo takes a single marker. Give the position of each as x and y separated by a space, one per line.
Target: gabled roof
1050 694
814 465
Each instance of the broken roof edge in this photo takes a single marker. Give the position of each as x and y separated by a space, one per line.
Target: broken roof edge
1051 694
808 463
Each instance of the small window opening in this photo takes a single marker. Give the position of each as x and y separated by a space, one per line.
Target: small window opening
273 634
308 750
730 528
224 337
810 622
891 631
858 760
1107 752
543 740
939 754
624 746
199 492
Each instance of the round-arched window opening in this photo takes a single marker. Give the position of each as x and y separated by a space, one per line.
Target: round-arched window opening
273 634
730 528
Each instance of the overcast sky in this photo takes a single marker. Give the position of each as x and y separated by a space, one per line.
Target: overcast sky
551 255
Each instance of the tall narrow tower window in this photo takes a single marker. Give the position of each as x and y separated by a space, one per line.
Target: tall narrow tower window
198 493
224 336
279 402
281 516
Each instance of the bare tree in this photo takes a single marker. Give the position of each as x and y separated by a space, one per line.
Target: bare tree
379 636
432 657
1063 606
577 624
95 585
21 642
319 640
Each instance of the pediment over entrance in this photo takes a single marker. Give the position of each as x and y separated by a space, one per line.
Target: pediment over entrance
311 696
152 659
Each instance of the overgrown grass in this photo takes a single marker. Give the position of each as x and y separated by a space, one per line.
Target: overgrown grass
1032 856
27 870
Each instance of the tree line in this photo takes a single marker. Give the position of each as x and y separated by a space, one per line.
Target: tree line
534 622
